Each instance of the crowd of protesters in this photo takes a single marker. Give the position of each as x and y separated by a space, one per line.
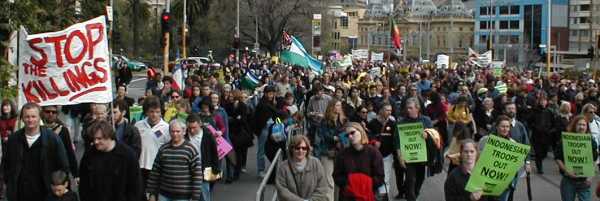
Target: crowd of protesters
348 150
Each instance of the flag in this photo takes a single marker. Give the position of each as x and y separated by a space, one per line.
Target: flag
250 81
179 83
501 87
295 54
395 33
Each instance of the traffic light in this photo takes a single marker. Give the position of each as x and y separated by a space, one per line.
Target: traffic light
590 52
165 20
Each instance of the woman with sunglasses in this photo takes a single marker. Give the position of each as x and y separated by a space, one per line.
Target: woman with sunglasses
301 176
358 170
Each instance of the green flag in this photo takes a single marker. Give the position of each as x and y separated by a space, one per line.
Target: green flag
412 144
498 164
577 153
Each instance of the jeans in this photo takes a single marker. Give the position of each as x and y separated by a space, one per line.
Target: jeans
260 151
206 194
388 163
163 198
568 191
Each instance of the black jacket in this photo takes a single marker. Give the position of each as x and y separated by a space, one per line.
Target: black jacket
53 158
110 176
264 112
239 128
208 150
65 137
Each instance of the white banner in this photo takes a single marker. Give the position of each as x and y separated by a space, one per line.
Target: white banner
375 57
65 67
443 61
360 54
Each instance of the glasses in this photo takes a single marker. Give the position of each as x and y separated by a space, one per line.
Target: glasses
174 96
301 148
50 111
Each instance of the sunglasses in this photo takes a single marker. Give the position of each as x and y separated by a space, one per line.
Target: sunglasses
301 148
174 96
51 111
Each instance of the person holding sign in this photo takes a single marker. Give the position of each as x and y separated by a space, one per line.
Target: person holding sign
358 169
454 187
414 169
576 148
504 132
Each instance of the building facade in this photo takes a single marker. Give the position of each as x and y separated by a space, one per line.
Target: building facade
517 28
584 25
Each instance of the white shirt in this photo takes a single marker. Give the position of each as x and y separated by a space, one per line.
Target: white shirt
31 139
152 139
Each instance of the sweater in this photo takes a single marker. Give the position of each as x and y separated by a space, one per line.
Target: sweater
308 184
177 172
454 187
367 161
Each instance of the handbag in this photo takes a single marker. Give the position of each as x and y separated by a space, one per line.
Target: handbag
278 131
210 176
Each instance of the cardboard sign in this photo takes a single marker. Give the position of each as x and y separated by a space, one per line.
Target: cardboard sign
412 143
577 153
65 67
498 164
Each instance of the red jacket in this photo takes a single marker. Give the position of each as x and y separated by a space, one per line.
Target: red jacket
360 187
7 126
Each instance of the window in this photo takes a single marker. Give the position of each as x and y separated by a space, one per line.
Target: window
352 14
584 20
503 24
460 43
460 29
514 39
573 33
483 39
335 24
504 10
483 25
585 7
483 10
584 33
344 21
514 24
514 10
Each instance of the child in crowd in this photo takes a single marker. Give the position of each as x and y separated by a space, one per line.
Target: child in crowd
60 188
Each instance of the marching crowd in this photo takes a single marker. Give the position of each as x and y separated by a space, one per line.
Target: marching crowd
349 150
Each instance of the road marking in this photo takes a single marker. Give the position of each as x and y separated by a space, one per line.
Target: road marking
139 79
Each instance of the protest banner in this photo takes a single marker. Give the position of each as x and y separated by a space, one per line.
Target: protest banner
360 54
497 166
135 113
412 143
577 153
375 57
65 67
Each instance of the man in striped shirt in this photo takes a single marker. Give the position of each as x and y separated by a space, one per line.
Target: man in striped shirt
177 170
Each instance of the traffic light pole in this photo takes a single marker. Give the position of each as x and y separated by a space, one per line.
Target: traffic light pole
549 38
183 32
166 54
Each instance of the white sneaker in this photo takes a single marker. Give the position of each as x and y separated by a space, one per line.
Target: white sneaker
244 170
261 174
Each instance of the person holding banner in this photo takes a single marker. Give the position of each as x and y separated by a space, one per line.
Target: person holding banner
358 169
504 129
31 155
572 184
415 171
51 121
454 187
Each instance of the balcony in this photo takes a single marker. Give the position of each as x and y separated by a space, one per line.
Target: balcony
580 2
580 26
580 14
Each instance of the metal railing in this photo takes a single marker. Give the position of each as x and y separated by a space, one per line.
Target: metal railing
263 183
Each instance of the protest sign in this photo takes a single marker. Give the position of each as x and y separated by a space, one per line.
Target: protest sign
412 143
443 61
577 153
135 113
375 57
497 166
360 54
65 67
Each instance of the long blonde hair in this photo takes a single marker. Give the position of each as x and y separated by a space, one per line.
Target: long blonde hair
331 115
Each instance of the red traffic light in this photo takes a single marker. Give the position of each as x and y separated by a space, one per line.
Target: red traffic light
165 17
